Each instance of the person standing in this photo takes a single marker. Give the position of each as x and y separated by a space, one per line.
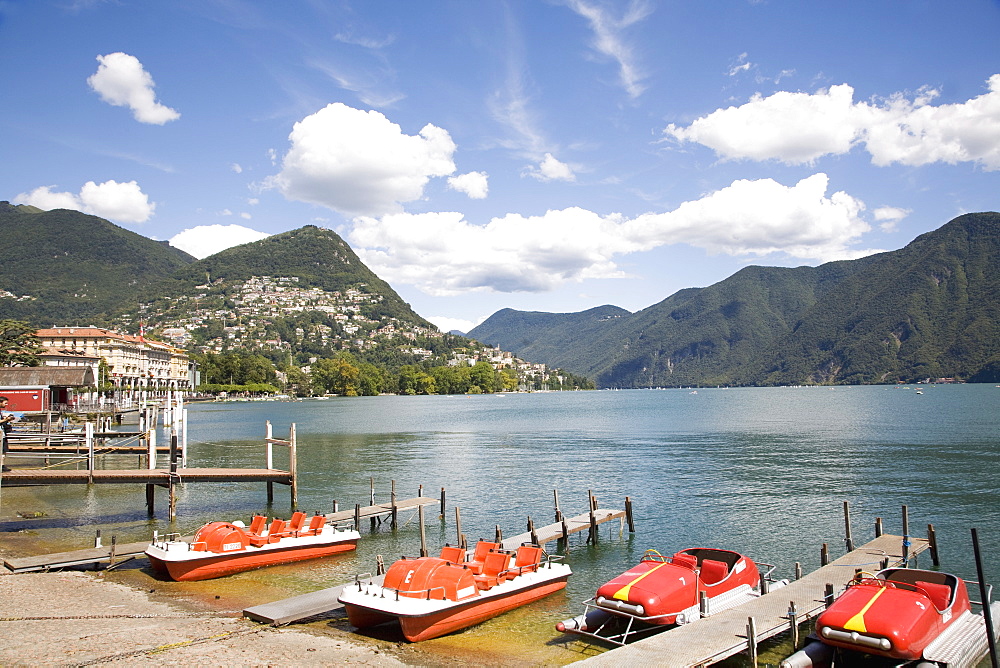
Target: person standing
6 419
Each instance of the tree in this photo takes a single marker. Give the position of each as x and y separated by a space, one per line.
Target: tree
19 344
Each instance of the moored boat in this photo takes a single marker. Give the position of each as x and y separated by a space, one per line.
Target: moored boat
224 548
908 616
662 591
433 596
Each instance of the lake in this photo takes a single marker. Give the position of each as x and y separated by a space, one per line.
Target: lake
763 471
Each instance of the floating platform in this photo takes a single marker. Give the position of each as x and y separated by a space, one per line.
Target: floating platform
723 635
94 555
22 477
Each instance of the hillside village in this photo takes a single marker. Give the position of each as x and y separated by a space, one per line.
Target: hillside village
275 315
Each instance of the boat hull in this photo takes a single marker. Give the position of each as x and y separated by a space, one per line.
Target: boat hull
214 565
442 620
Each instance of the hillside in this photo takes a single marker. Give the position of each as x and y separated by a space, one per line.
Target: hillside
64 266
927 310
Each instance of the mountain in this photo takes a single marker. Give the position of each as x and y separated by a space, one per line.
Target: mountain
67 267
927 310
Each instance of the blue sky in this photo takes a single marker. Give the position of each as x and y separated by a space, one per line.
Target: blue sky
532 154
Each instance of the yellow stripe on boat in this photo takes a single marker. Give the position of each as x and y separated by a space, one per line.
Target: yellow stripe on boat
857 622
622 594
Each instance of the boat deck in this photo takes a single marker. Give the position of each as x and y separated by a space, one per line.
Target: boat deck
723 635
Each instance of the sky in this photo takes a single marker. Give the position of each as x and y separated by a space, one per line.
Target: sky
541 155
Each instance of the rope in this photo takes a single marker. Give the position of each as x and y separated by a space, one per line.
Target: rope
163 648
174 616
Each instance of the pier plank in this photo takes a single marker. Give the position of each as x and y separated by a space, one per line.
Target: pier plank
723 635
94 555
554 531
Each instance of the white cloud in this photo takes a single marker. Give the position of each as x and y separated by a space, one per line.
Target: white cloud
889 216
236 167
801 127
206 240
121 202
447 324
361 163
473 184
551 169
121 81
444 254
609 39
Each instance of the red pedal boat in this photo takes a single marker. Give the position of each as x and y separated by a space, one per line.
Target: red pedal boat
224 548
662 591
911 616
434 596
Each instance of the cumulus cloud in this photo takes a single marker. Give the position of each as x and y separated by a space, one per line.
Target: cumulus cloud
120 80
473 184
799 128
206 240
361 163
551 169
444 254
889 216
121 202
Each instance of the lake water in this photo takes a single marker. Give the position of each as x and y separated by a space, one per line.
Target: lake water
761 471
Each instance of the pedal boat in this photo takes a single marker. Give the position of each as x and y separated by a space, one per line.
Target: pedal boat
434 596
662 591
224 548
912 617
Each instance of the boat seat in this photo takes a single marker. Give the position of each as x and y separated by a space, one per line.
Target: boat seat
685 560
494 570
526 561
483 548
940 594
276 531
257 524
453 553
713 571
316 525
295 523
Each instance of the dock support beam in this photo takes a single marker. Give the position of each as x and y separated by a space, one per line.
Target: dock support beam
848 540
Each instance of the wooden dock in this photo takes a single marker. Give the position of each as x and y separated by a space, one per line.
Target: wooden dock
723 635
94 555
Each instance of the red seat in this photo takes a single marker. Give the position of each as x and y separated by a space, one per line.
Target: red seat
257 524
940 594
685 560
276 531
453 553
713 571
295 523
479 555
527 560
316 525
494 570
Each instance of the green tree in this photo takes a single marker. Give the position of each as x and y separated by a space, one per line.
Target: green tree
19 345
484 376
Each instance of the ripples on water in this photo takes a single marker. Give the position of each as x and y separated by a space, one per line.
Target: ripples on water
763 471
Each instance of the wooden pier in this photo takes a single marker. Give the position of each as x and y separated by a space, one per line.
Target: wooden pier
725 634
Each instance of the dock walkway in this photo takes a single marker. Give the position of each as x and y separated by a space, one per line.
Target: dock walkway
551 532
723 635
22 477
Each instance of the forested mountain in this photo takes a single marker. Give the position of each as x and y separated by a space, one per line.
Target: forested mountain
928 310
66 267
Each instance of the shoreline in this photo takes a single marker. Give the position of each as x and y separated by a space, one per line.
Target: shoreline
80 618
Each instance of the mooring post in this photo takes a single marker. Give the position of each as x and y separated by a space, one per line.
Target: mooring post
878 527
906 537
97 539
932 543
441 515
824 555
379 565
151 445
752 641
499 535
172 481
984 597
798 571
565 532
458 526
357 517
592 539
531 531
828 595
703 603
184 438
423 535
555 494
111 554
293 466
848 540
793 624
89 436
269 458
150 499
372 484
628 514
393 504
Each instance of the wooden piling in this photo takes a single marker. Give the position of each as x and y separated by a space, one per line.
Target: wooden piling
555 493
793 624
499 535
878 527
357 517
932 541
798 571
828 595
423 534
752 642
441 514
458 526
824 555
628 514
293 466
848 540
395 511
906 537
531 531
